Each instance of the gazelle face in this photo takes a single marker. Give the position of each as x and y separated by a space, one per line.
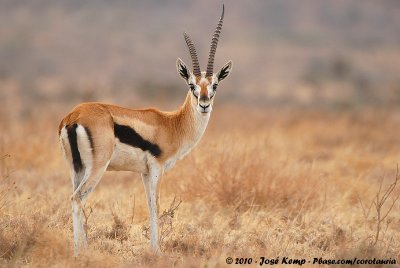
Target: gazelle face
203 85
202 88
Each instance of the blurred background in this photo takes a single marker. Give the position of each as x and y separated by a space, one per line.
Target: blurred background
302 136
286 53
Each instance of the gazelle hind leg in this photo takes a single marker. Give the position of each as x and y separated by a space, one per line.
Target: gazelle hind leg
80 239
93 169
91 182
79 145
88 183
150 181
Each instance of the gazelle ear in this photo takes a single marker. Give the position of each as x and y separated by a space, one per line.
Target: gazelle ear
182 69
225 71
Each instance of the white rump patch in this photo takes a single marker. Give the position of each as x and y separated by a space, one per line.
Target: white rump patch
84 148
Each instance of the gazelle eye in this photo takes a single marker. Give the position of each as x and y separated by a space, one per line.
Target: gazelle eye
192 87
215 87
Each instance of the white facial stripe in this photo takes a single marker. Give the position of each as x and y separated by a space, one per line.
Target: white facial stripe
214 79
192 79
196 91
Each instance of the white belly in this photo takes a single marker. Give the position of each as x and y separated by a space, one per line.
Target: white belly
126 157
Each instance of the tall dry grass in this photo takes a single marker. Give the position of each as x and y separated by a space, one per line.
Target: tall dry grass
260 183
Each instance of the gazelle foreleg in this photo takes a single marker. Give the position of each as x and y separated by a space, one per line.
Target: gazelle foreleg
150 181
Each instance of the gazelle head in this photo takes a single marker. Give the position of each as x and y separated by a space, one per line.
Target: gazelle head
203 85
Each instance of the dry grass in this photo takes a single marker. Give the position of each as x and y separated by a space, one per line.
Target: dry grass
269 183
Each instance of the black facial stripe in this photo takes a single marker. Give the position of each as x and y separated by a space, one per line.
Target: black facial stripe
129 136
73 142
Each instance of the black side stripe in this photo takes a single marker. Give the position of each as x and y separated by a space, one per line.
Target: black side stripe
76 157
129 136
89 134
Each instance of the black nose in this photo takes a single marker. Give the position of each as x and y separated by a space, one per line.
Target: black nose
204 98
204 107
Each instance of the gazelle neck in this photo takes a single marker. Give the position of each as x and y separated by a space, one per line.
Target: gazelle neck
189 125
191 121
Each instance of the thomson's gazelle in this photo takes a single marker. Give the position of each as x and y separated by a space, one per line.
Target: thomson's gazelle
96 137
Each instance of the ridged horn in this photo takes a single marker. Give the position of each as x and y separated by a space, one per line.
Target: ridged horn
214 43
193 55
